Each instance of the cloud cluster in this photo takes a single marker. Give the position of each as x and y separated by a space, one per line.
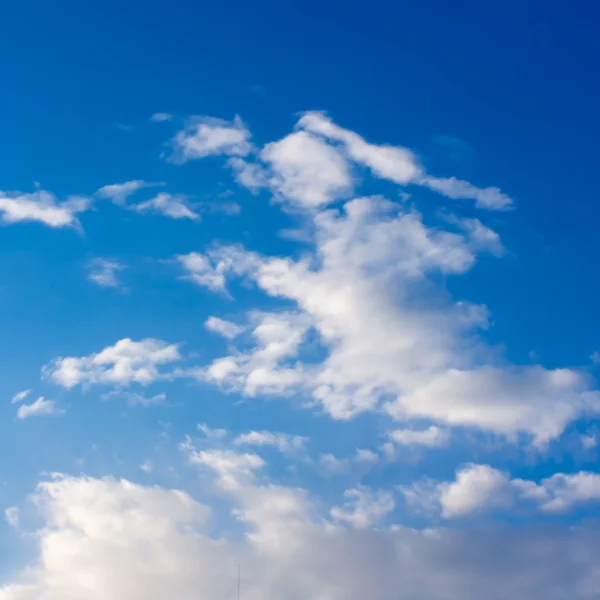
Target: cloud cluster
103 538
124 363
482 487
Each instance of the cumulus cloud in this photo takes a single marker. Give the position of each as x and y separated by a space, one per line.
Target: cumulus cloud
393 338
12 514
206 136
124 363
43 207
307 171
103 272
482 487
104 538
41 407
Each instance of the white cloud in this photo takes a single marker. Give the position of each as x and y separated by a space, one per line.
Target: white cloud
20 396
284 442
126 362
389 162
209 432
103 272
595 357
119 192
369 292
174 206
266 369
476 486
307 171
41 407
364 508
249 175
332 465
561 491
103 538
12 514
222 327
366 456
431 437
491 198
161 117
400 165
481 487
205 136
43 207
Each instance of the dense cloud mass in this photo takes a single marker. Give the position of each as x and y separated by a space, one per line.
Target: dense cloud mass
104 538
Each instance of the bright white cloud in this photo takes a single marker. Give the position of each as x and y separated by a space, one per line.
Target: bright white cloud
561 491
124 363
306 170
369 292
249 175
103 272
43 207
476 486
174 206
41 407
389 162
20 396
431 437
206 136
481 487
119 192
222 327
284 442
103 538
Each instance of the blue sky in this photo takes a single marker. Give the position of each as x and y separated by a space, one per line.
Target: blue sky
296 287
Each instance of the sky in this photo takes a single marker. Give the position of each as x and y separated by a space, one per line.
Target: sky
306 294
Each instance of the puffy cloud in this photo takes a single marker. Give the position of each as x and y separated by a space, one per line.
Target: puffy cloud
481 487
222 327
41 407
206 136
103 538
306 170
43 207
119 192
364 508
126 362
431 437
174 206
249 175
284 442
561 491
209 432
103 272
370 292
475 486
